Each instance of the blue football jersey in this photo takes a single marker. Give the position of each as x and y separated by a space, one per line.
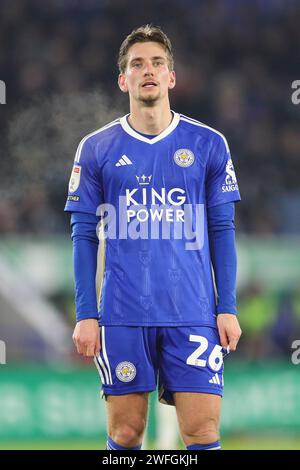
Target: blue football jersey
152 195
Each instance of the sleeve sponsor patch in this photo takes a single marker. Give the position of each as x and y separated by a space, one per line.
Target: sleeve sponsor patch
74 198
75 178
230 179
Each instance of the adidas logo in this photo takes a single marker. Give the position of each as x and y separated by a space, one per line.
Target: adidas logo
215 380
124 160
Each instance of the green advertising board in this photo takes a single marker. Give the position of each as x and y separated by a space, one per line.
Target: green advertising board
65 403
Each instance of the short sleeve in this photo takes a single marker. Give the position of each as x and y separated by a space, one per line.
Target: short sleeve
85 192
221 182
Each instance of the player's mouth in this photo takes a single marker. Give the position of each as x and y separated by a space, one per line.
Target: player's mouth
149 85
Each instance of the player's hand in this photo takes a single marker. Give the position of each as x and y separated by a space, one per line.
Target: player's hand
229 330
86 337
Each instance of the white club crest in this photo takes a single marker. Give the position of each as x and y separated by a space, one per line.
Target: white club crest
184 157
125 371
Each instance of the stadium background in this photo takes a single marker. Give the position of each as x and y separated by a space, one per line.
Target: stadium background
235 64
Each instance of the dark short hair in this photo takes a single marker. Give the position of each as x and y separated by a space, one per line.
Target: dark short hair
145 33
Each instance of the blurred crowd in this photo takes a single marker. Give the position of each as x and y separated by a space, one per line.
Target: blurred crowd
270 322
235 63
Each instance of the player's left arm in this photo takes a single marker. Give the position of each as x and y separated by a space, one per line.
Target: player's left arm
229 330
224 260
221 194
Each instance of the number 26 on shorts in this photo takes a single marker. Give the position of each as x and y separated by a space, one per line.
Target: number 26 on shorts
215 359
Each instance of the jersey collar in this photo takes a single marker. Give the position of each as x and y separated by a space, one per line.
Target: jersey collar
129 130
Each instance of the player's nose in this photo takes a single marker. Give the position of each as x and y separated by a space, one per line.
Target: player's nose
148 69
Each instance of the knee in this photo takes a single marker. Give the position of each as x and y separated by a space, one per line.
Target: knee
128 434
205 432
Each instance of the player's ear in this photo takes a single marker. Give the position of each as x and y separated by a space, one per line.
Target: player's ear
172 81
122 83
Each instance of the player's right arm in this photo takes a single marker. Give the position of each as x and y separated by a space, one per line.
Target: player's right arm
86 337
83 200
85 250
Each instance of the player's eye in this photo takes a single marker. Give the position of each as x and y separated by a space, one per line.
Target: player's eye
157 63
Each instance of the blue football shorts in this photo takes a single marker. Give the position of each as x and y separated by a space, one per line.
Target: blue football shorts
172 359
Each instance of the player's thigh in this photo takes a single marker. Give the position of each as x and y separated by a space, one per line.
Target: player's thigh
198 413
130 409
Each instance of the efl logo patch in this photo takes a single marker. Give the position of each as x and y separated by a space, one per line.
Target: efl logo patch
125 371
184 157
75 178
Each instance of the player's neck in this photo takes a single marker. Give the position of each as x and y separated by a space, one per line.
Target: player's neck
150 120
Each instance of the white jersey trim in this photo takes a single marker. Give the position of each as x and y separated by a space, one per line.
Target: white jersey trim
102 364
99 369
129 130
107 126
103 346
200 124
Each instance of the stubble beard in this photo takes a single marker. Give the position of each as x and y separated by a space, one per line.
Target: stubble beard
149 101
